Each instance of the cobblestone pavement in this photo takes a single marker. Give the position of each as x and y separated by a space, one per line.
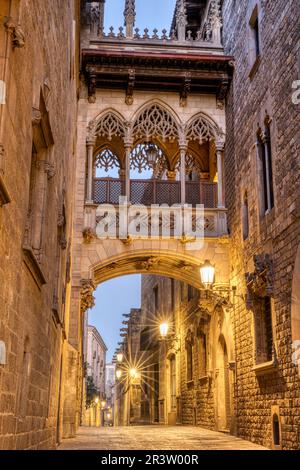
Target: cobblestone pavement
155 438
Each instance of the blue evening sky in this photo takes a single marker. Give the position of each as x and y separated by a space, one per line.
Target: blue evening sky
118 296
149 14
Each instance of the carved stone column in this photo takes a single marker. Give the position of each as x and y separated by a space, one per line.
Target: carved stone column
90 160
127 171
220 169
182 173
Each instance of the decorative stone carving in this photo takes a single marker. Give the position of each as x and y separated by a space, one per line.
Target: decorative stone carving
109 126
139 159
107 160
16 32
130 88
87 295
155 121
186 87
181 21
149 264
129 17
260 283
36 117
201 129
50 170
92 86
89 235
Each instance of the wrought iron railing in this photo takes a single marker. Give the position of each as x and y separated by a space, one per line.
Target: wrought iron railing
147 192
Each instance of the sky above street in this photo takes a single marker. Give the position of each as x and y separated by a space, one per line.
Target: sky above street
118 296
149 14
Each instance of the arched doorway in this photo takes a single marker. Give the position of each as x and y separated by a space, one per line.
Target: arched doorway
223 386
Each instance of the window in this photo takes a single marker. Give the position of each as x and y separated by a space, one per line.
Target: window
255 48
265 160
42 170
189 346
263 330
245 217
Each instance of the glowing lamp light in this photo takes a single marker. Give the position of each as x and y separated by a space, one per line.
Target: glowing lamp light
164 329
120 357
96 401
133 373
108 416
118 373
207 273
103 403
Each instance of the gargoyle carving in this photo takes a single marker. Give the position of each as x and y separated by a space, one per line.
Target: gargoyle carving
260 283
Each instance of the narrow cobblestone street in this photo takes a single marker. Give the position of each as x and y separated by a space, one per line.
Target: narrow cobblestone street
155 438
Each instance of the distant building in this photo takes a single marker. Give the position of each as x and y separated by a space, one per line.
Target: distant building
96 358
110 382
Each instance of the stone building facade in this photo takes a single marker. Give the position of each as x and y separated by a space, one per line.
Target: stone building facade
96 359
38 82
263 211
188 376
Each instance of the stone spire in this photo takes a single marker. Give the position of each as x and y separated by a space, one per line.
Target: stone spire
215 21
129 17
181 21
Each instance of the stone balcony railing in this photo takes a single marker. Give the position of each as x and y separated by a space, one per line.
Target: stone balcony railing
214 221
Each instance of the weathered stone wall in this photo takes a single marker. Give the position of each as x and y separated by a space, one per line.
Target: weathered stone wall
45 65
278 233
197 399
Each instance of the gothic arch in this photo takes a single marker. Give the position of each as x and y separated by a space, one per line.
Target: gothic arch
295 308
155 119
202 128
110 123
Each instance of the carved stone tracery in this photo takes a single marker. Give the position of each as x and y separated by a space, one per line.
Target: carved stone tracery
155 121
107 160
201 130
140 161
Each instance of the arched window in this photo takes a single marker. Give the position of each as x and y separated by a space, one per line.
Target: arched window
107 164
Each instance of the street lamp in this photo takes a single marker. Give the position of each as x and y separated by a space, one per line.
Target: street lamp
151 153
207 273
164 329
133 373
118 374
120 357
103 404
97 400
